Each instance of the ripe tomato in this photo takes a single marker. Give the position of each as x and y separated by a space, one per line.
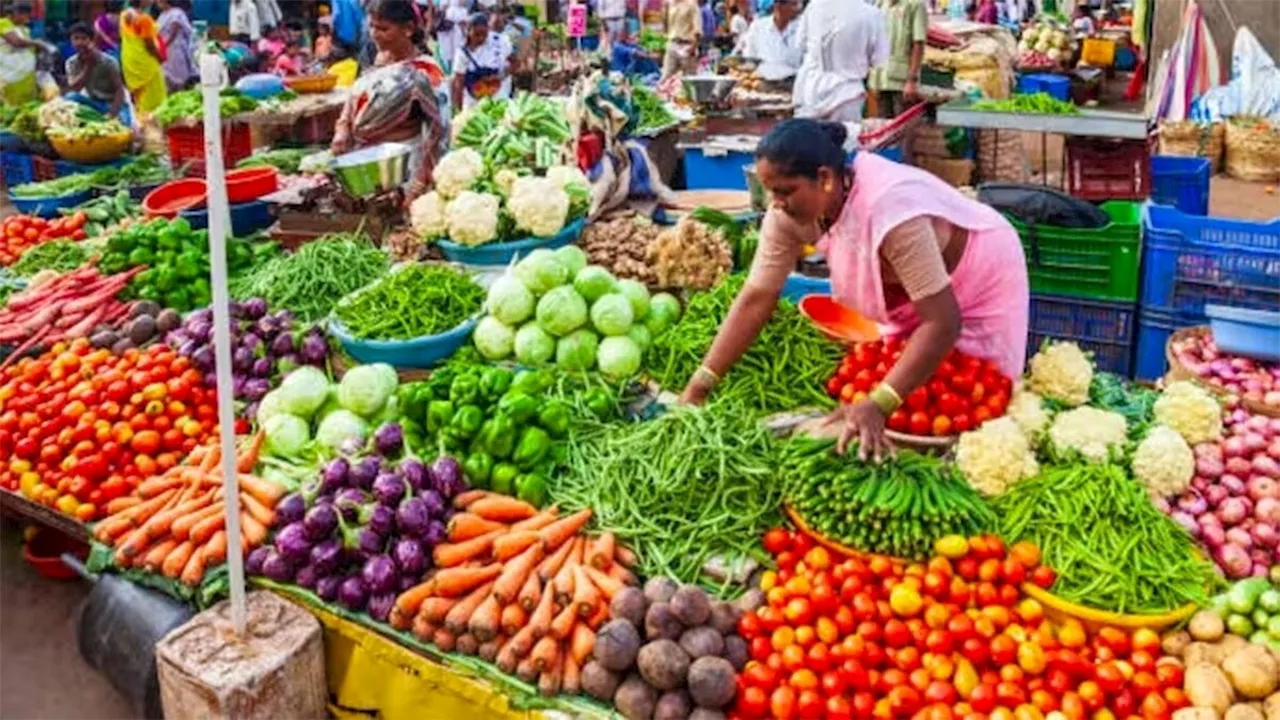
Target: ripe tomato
782 703
919 424
942 426
752 703
838 708
1044 576
898 421
809 705
1170 675
917 400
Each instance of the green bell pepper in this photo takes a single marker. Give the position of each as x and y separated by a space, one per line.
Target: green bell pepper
467 420
530 382
532 447
555 417
414 435
600 403
518 406
439 415
503 478
558 453
477 468
141 256
187 266
532 488
412 401
502 436
440 381
464 390
164 279
494 383
168 239
178 299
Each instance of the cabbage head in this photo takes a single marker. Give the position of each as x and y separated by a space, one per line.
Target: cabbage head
664 311
572 258
612 314
287 435
641 336
493 339
365 389
594 282
533 345
541 271
340 425
638 294
268 407
510 301
303 391
577 350
618 357
561 311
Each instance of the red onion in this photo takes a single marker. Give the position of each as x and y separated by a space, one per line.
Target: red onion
1193 502
1266 465
1273 426
1187 522
1261 486
1234 561
1213 536
1199 483
1267 510
1208 467
1233 447
1233 510
1265 535
1215 494
1233 484
1208 449
1240 536
1257 423
1260 570
1254 442
1274 448
1238 466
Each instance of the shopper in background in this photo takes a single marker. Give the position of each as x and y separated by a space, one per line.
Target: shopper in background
141 55
106 29
773 39
895 82
322 47
451 31
18 56
270 47
482 67
93 77
293 61
1082 23
988 13
737 27
613 17
179 41
684 30
244 24
841 41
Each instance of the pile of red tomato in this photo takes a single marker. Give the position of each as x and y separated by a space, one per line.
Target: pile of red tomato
954 639
19 233
81 426
962 393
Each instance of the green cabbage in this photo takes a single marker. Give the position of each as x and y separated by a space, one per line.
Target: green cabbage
572 258
638 294
561 311
510 301
494 339
618 357
577 350
268 407
612 314
664 311
533 345
287 435
365 388
340 425
641 336
541 271
594 282
303 391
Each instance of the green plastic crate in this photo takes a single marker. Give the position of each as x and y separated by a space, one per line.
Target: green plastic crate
1098 263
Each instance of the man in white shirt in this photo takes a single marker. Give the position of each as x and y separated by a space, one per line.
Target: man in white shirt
774 40
613 15
841 41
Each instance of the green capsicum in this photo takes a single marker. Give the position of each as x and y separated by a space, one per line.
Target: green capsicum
532 447
532 488
414 436
530 382
503 478
494 382
600 403
501 440
413 399
141 256
477 467
555 417
518 406
467 420
464 390
439 415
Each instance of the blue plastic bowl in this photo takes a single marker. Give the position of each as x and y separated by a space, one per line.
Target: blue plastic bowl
502 253
1242 331
797 286
246 218
423 352
48 207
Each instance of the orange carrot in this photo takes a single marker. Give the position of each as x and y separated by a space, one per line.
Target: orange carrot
601 555
563 581
457 618
456 582
501 508
544 518
122 503
113 527
215 551
465 526
467 644
435 608
451 554
488 651
622 575
248 456
444 639
549 567
181 528
525 670
562 624
194 570
266 491
486 620
399 620
530 593
464 499
153 486
515 572
422 629
255 508
626 556
603 582
540 618
545 652
564 528
156 555
210 458
585 595
522 642
410 600
571 683
254 532
159 524
507 659
600 618
204 529
550 681
582 643
513 618
512 544
177 560
118 525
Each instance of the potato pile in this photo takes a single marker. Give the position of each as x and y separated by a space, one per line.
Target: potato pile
669 652
620 243
690 255
1227 677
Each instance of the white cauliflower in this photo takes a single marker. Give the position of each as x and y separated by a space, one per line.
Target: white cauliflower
505 179
564 175
1163 462
1090 431
473 218
458 171
538 205
428 216
995 456
1191 411
1063 372
1027 410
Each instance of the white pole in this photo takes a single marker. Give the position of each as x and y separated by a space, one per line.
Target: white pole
211 74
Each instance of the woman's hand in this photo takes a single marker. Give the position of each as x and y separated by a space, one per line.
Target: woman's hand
866 422
697 390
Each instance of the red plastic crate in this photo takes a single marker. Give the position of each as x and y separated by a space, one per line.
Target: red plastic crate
1108 169
186 146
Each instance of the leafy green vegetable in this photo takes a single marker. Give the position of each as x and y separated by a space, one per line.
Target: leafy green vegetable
59 256
58 187
312 280
189 105
1035 103
412 302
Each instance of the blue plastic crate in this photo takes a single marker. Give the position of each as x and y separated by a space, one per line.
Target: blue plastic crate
246 218
1056 86
893 152
1191 261
718 170
1155 325
1103 328
798 286
1182 182
16 168
1249 333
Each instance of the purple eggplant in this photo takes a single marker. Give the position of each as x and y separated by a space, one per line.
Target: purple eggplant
292 542
348 502
446 476
434 504
253 563
200 331
412 517
210 380
379 574
256 388
262 368
380 605
315 349
188 348
327 587
306 577
320 521
369 542
291 509
415 473
389 488
254 308
409 556
252 343
364 472
351 446
389 440
334 476
379 518
267 328
436 533
203 358
282 345
276 567
327 556
352 593
242 360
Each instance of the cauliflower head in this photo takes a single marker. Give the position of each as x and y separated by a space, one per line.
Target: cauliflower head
1028 412
458 171
1090 431
539 206
995 456
473 218
505 179
1163 462
1061 371
564 175
1191 411
427 216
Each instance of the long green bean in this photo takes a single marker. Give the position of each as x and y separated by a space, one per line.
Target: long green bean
411 302
312 280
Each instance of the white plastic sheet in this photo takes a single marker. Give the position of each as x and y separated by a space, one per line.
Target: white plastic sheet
1254 88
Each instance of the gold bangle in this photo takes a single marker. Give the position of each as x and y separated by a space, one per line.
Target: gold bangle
885 398
704 370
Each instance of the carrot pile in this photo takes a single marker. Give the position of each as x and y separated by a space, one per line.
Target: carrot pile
523 588
175 523
65 308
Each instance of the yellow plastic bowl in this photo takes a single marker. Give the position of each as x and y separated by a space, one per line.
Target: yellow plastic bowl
1093 619
92 150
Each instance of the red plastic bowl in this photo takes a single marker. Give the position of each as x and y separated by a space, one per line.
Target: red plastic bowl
172 198
837 321
44 553
251 183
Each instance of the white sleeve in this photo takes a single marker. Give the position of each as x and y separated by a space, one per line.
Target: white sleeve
880 41
460 64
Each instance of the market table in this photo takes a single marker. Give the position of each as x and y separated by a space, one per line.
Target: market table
11 502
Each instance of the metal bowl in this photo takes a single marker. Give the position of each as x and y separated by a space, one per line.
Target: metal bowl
374 169
705 89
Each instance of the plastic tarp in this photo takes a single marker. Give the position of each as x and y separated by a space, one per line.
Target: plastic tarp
1254 89
1190 69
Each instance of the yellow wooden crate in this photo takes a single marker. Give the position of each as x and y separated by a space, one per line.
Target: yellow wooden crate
1098 52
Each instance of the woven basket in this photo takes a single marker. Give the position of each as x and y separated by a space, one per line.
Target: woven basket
955 172
1177 371
1253 150
1191 139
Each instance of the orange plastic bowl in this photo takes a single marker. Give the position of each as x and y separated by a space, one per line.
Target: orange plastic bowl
173 197
837 321
251 183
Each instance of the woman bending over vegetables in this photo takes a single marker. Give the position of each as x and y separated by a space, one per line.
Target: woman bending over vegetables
904 249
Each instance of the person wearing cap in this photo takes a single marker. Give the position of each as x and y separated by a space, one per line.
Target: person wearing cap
482 66
18 56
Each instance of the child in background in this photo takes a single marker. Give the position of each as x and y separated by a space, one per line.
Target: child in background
271 46
323 45
293 61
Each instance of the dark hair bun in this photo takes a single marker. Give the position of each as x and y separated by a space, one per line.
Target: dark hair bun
801 146
836 131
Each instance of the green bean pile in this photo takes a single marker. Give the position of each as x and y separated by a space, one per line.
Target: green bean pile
412 302
689 485
785 369
312 280
1112 548
899 507
59 256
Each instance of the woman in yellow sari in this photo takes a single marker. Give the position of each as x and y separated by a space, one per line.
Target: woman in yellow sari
141 57
17 56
